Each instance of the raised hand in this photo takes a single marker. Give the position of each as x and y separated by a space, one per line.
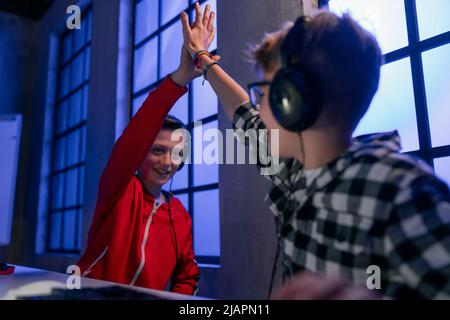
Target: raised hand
196 38
201 34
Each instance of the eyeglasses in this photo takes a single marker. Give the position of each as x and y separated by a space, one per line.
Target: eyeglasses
256 92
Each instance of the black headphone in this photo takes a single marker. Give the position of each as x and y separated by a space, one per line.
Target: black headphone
296 94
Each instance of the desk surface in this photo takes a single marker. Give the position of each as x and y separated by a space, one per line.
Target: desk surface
29 281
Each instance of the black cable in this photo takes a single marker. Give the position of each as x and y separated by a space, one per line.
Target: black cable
274 267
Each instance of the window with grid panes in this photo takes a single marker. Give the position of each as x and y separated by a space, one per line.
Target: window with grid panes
413 96
157 43
69 140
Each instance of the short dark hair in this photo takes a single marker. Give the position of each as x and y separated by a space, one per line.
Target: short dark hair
172 123
266 54
346 59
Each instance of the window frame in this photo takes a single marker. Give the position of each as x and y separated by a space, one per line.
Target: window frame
81 125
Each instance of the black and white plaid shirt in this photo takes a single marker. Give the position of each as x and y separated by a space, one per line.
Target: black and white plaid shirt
370 207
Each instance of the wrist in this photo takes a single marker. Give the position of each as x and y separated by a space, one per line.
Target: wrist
199 55
181 77
204 60
193 51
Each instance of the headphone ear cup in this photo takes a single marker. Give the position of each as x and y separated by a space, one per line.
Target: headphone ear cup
293 103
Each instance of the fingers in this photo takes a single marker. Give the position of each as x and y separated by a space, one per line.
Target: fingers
211 36
185 24
210 25
198 14
217 58
206 14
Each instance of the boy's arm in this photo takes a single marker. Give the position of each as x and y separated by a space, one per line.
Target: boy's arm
133 145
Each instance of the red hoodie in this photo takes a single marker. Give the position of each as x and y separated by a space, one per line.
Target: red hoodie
130 240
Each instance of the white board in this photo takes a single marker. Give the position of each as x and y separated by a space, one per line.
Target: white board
10 128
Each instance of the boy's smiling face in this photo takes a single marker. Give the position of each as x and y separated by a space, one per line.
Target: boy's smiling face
158 167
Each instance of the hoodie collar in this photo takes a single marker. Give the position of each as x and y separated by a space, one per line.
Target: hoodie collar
151 199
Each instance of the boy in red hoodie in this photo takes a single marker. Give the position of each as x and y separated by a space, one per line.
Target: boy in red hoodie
141 235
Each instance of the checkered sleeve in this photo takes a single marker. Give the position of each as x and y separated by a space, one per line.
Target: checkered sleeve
246 117
251 131
418 237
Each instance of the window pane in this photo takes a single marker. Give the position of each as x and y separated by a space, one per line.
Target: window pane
442 169
172 8
146 16
57 191
55 230
66 47
393 106
181 109
75 108
171 43
71 188
137 102
145 65
206 223
206 153
76 70
180 180
73 147
58 159
64 81
61 110
433 16
436 67
184 198
70 220
384 18
205 100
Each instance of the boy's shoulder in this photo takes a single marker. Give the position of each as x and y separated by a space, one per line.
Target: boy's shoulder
396 171
178 208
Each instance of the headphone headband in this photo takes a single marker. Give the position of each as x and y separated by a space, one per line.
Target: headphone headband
291 42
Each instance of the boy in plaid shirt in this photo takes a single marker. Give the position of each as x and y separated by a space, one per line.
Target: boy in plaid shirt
343 205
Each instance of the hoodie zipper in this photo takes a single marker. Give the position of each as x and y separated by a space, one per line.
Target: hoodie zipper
88 270
144 242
